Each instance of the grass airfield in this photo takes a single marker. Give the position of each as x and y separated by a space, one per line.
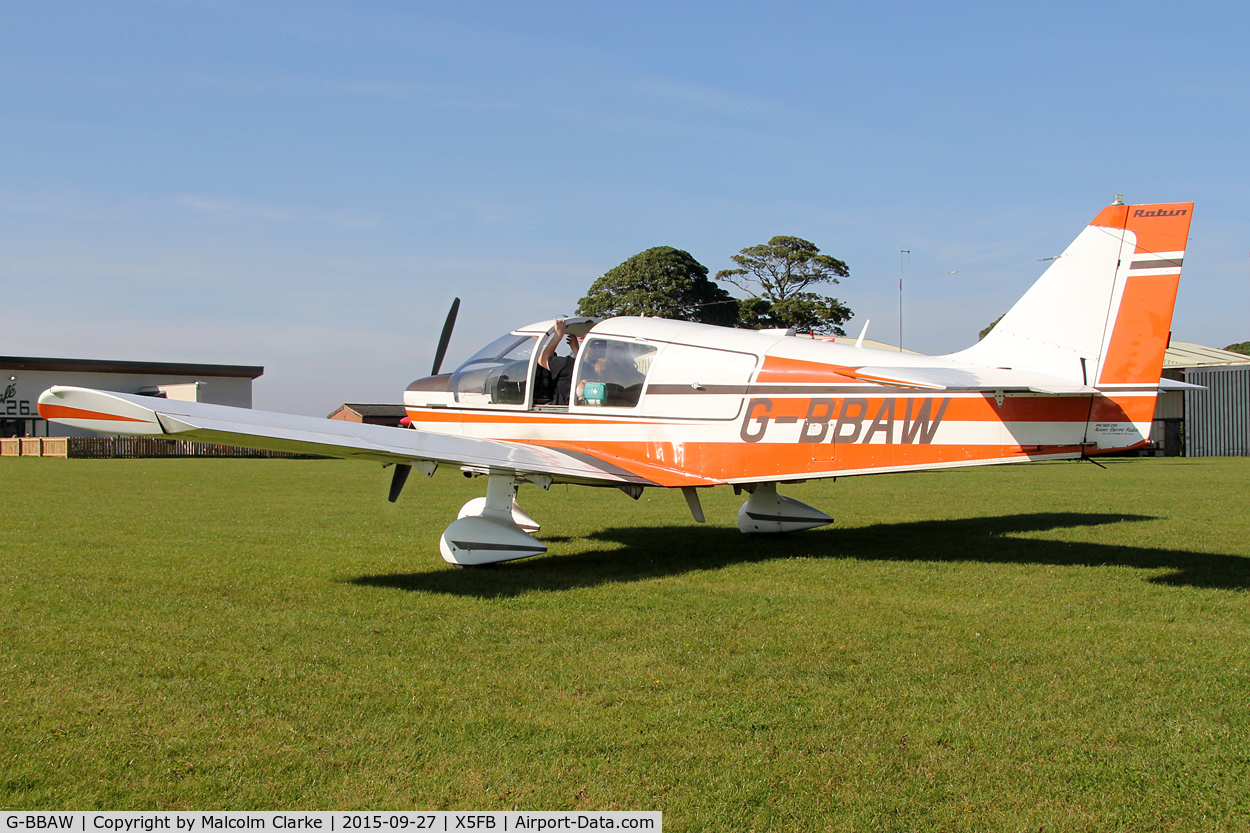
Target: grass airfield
1051 646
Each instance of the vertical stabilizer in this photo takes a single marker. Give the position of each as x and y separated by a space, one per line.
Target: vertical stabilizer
1101 313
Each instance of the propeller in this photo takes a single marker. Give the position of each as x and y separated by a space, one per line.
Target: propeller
443 341
402 470
398 479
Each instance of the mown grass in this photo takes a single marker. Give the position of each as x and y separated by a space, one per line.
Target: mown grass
1054 646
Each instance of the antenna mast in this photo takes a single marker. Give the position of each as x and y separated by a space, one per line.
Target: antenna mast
901 252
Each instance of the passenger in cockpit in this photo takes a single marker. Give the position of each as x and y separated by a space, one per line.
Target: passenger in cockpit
617 367
555 373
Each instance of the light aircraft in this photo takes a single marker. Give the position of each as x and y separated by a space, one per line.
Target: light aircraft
1071 371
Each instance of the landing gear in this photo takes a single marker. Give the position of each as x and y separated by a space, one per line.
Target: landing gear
491 529
769 513
520 517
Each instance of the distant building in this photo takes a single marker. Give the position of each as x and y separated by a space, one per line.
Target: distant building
22 379
1204 423
875 345
370 414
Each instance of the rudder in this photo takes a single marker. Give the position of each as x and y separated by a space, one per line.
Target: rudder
1139 322
1140 317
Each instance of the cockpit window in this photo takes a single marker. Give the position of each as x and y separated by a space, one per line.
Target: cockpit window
496 374
610 373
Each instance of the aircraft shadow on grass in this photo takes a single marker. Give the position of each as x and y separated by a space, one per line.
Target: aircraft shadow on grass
655 552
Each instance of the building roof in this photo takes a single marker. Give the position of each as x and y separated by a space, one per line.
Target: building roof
397 411
103 366
1189 354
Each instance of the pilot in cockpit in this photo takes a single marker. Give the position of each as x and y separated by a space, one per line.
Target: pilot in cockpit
555 373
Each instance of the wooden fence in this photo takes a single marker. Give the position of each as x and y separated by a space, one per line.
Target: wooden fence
109 447
33 447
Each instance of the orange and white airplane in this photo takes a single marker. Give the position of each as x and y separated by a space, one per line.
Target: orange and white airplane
1072 370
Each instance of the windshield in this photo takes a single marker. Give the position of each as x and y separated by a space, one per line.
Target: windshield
496 374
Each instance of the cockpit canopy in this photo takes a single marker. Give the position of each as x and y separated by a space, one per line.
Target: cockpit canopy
497 374
610 372
665 368
505 373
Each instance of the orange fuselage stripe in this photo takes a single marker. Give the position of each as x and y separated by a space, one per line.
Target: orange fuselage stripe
451 415
669 460
704 462
980 408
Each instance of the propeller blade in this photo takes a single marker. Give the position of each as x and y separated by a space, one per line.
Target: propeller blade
398 479
445 338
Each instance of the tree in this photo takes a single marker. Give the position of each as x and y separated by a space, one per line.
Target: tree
806 312
992 325
662 282
1242 347
779 273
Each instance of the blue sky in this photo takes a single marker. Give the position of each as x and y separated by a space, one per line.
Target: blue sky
308 185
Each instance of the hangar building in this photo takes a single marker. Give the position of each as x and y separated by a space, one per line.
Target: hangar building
1204 423
22 379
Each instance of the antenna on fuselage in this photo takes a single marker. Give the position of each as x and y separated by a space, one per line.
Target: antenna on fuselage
859 342
901 252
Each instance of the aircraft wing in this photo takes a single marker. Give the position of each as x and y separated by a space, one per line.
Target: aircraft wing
122 413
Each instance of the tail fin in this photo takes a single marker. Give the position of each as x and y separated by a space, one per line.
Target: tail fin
1101 313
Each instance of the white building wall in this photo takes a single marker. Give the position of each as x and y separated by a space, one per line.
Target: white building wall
21 389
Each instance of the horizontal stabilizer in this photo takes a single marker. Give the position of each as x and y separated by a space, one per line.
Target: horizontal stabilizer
1173 384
